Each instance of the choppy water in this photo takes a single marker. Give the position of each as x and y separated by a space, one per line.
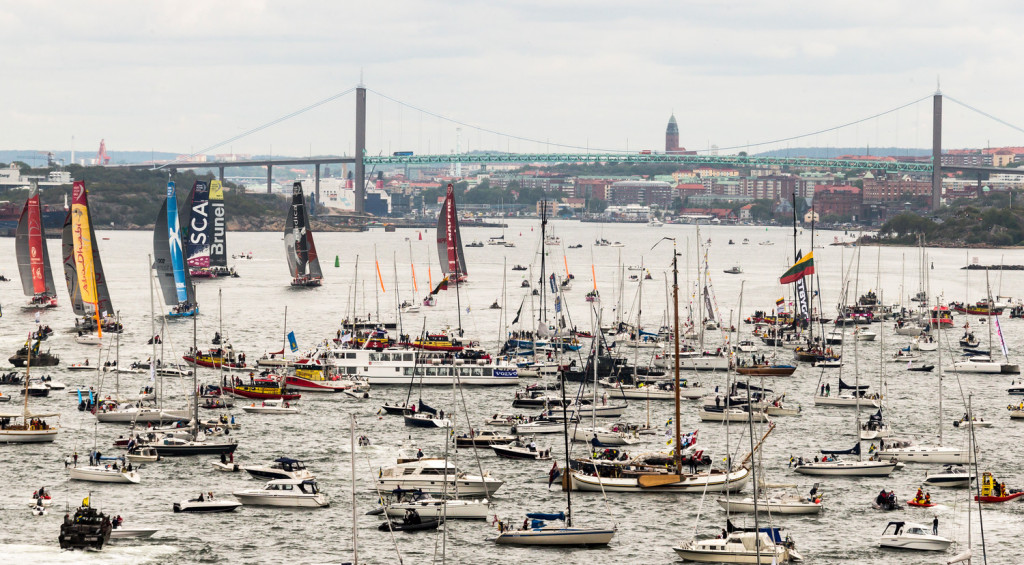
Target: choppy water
648 525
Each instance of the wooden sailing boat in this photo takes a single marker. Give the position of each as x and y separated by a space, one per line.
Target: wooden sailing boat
33 257
449 240
303 263
83 270
32 428
169 261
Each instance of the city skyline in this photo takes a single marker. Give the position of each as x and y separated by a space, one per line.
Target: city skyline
560 76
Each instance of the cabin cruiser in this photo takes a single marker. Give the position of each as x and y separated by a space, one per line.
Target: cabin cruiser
429 506
430 475
908 535
206 504
296 493
741 547
950 476
283 468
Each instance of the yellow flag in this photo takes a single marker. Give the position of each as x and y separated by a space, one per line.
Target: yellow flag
85 501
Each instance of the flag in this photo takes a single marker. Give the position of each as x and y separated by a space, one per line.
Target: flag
291 342
558 304
1002 342
85 501
553 474
554 286
518 312
804 266
780 306
443 285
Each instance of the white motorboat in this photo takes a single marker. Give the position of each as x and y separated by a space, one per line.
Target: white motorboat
273 406
737 547
544 427
103 474
136 532
430 475
39 510
522 450
5 397
88 339
950 476
207 505
293 493
143 455
711 414
81 367
924 343
908 535
226 466
282 468
985 365
864 335
54 385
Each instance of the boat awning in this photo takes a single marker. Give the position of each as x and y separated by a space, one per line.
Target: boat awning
855 450
30 415
545 516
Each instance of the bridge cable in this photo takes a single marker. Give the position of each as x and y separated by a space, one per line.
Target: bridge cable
258 128
987 115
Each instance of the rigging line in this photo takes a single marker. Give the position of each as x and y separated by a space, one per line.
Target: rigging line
986 114
834 128
259 128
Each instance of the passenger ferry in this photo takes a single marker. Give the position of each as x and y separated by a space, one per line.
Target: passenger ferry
402 366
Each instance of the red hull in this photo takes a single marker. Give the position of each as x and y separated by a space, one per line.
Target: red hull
320 386
210 364
920 504
1006 498
262 395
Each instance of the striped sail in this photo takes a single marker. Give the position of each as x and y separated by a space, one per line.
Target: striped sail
449 240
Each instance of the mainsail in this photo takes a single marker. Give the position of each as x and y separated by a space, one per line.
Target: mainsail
82 257
218 232
168 261
30 248
449 240
298 238
199 226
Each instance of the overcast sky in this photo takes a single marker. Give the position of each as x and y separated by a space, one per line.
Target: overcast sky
180 76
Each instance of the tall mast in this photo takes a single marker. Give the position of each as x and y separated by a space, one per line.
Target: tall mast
152 336
355 515
195 377
939 331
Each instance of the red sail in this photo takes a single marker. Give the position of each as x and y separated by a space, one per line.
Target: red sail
450 227
35 245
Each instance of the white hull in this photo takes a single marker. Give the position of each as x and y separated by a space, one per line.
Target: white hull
731 416
435 485
103 475
556 536
918 543
985 367
773 505
844 401
270 410
454 509
27 436
927 454
144 415
606 437
848 469
551 428
699 483
443 381
124 533
257 498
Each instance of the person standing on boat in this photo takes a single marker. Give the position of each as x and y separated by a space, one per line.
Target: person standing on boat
935 526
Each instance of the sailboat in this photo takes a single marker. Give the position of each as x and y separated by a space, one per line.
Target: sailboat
449 240
83 270
985 363
169 261
299 249
33 258
33 428
198 230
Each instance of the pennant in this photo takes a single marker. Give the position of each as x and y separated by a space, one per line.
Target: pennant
292 343
380 278
554 286
518 312
1002 342
558 304
553 474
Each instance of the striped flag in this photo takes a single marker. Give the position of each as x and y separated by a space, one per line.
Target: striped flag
804 266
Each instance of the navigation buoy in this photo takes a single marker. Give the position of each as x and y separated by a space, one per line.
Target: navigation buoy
421 235
337 261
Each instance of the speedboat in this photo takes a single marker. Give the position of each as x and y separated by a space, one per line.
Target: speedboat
908 535
136 532
206 505
273 406
522 450
483 438
143 455
294 493
283 468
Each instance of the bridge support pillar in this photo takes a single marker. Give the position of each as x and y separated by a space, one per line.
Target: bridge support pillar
936 151
221 175
360 178
270 177
316 176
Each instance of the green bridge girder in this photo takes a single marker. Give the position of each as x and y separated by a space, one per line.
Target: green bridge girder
590 158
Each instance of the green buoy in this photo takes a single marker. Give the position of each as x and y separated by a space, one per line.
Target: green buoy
337 261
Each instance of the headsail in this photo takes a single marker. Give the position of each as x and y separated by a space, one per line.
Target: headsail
219 228
313 261
30 249
77 231
449 240
199 226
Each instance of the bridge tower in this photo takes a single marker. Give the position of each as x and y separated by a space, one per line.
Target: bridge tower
937 150
360 180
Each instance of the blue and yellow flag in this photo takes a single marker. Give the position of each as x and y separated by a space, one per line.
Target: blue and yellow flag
291 342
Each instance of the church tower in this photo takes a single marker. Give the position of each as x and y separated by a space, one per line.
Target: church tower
672 136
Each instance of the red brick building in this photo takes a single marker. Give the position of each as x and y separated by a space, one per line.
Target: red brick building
843 201
890 188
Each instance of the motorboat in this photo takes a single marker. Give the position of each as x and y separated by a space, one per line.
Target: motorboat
483 438
542 426
143 455
924 343
908 535
430 475
603 436
296 493
429 506
206 504
282 468
271 406
89 529
986 365
977 423
412 522
122 532
521 449
994 491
